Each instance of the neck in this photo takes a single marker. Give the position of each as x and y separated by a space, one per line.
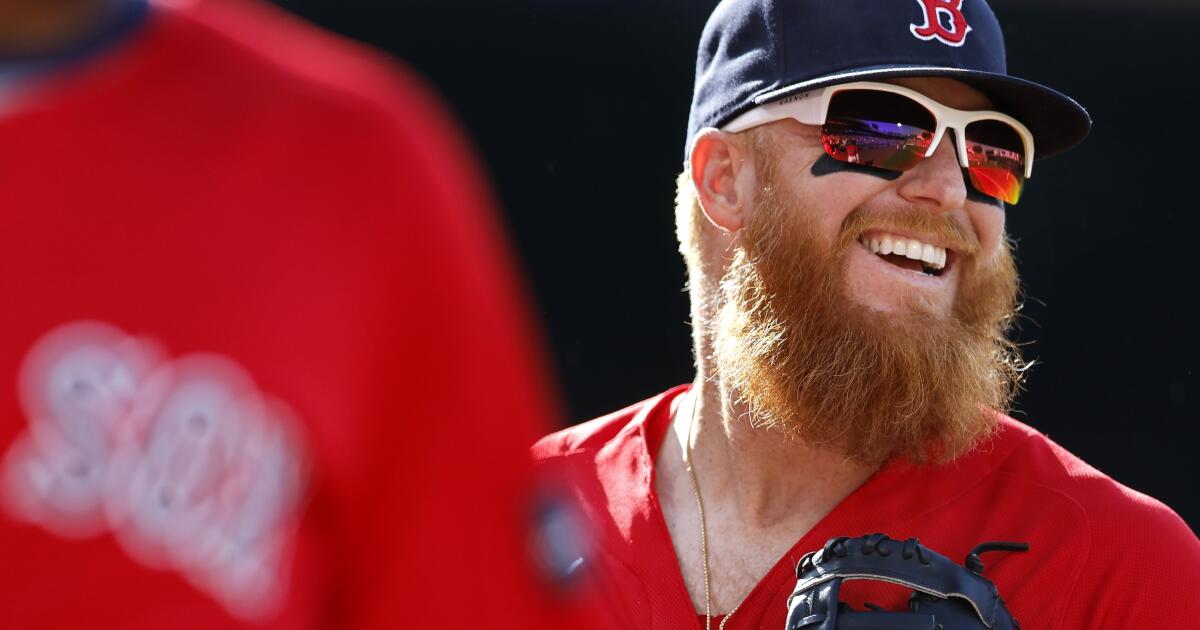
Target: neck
762 476
761 494
761 491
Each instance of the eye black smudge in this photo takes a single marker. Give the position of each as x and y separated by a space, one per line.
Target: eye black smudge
828 166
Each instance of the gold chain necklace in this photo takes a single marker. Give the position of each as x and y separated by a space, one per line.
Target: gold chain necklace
687 462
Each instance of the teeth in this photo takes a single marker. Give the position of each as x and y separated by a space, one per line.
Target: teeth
932 255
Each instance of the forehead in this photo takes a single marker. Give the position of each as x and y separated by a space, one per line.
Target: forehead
950 92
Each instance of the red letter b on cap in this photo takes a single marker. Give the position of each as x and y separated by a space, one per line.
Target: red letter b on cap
933 27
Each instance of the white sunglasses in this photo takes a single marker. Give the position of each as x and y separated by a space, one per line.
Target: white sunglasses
894 128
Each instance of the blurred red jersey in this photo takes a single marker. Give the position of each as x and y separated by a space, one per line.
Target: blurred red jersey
264 359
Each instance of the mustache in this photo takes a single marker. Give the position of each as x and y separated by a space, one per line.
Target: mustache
942 227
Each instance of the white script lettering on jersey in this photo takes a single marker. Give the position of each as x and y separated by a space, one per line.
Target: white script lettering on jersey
183 460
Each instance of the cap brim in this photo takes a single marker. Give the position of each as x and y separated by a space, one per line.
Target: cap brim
1055 119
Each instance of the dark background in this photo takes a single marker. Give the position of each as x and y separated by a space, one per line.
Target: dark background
579 108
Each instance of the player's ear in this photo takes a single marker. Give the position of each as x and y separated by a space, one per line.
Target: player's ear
723 175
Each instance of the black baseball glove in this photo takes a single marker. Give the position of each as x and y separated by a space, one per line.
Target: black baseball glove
945 596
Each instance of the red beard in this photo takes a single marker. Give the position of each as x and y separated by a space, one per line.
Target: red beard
803 357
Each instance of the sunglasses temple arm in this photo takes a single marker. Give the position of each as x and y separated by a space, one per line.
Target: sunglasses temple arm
807 108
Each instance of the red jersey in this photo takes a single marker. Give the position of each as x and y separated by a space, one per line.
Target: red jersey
1101 555
264 359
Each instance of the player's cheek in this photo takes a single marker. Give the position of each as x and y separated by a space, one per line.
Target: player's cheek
988 222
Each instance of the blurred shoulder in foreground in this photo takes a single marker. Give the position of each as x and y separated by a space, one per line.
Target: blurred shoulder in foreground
265 361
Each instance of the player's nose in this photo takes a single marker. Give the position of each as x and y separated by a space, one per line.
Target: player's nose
936 183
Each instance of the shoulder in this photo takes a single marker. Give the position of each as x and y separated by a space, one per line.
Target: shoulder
638 423
243 59
1137 560
317 108
275 45
1108 505
586 436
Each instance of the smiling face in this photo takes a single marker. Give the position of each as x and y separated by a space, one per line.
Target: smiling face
913 231
820 331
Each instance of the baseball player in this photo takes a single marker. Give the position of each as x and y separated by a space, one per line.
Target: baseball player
265 363
849 319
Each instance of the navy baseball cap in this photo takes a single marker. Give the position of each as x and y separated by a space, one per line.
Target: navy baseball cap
753 52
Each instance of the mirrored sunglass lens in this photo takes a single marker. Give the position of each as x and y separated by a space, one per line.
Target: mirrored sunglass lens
877 129
997 182
996 159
